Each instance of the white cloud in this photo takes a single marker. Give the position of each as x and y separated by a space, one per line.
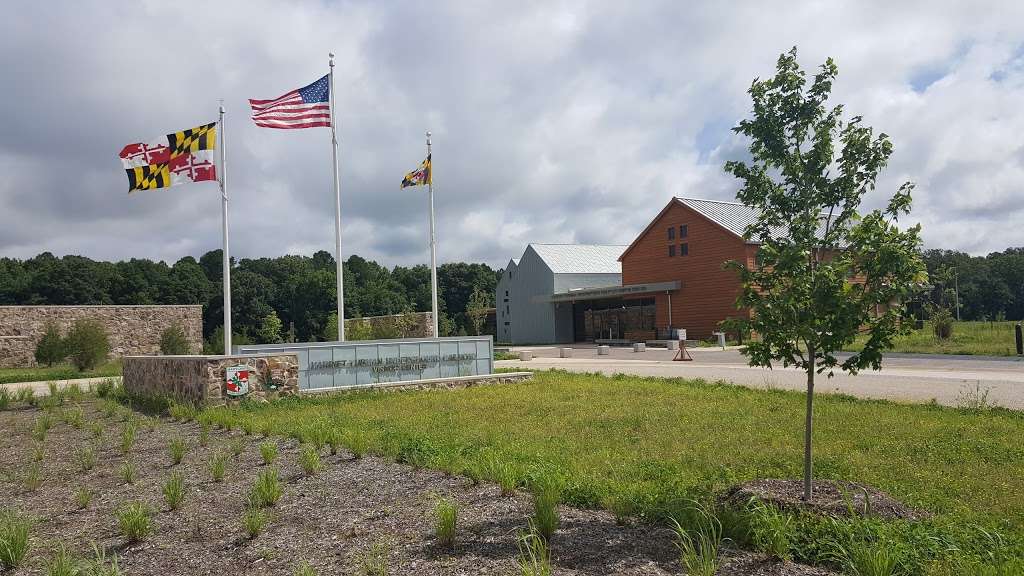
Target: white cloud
552 121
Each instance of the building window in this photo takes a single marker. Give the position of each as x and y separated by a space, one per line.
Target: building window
683 231
672 233
506 293
671 249
684 249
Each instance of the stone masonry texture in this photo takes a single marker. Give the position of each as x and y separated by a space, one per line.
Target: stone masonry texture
133 330
201 379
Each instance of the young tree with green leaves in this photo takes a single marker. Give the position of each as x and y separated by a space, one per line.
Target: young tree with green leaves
477 307
824 272
51 349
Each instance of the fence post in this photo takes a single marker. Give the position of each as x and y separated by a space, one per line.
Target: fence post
1020 338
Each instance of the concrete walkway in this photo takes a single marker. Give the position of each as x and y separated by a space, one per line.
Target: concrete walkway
43 388
953 381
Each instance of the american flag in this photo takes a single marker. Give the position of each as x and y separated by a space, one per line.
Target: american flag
306 107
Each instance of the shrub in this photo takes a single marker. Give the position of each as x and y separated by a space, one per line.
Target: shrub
254 521
942 323
105 388
14 539
127 437
33 477
174 490
173 341
546 496
135 521
86 458
61 563
177 449
309 458
534 556
447 512
128 472
218 463
87 344
83 496
268 451
698 545
266 490
51 348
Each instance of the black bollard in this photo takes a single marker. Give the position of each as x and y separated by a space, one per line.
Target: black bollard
1020 339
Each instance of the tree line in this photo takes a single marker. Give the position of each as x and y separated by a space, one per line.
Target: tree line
273 299
990 287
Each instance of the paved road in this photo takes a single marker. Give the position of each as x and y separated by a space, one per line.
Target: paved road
949 380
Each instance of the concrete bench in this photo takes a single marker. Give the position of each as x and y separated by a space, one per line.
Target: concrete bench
639 347
565 352
603 350
525 355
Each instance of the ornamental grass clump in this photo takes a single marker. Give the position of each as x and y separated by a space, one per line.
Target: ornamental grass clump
14 538
534 555
83 497
135 521
174 490
127 437
33 477
74 417
237 446
128 472
268 451
62 563
5 398
304 569
547 494
204 433
266 489
177 449
254 521
309 459
447 513
771 530
86 457
218 464
699 542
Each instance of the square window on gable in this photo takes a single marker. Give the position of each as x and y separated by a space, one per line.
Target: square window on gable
671 250
683 232
672 233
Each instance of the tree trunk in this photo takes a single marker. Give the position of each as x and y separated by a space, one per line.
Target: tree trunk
808 426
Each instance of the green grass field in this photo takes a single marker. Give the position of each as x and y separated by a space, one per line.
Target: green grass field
647 447
58 372
976 338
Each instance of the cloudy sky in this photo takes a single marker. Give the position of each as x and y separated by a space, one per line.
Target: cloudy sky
553 121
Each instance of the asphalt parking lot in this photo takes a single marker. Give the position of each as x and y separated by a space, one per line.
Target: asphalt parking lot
949 380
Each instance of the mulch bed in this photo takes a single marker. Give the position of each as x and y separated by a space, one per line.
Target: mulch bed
334 520
840 499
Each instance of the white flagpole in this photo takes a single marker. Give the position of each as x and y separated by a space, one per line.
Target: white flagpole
224 221
433 240
337 210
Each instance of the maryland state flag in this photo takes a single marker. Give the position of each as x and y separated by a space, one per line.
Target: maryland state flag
178 158
419 176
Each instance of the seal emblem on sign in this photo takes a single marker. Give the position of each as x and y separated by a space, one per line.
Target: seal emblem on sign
236 379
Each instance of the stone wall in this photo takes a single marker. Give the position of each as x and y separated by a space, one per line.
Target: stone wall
133 330
201 379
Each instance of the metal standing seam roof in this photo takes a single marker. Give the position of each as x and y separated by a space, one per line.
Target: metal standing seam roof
581 258
733 216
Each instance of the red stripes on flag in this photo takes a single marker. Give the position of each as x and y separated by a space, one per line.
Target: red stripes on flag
290 112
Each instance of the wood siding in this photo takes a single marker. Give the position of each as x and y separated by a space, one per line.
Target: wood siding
707 293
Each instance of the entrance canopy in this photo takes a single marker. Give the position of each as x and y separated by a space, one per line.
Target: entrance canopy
606 292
